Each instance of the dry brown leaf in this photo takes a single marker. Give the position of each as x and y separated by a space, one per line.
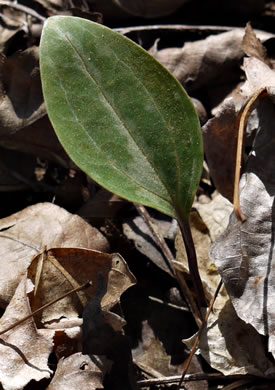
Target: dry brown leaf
244 253
252 46
215 214
13 21
80 371
230 345
26 233
152 357
24 350
227 344
63 269
214 60
21 100
102 329
38 139
220 132
220 143
138 231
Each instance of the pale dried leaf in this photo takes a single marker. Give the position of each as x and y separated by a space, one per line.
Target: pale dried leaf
26 233
80 371
215 214
258 74
244 253
24 350
230 345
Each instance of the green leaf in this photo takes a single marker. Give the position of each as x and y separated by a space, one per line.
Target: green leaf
120 115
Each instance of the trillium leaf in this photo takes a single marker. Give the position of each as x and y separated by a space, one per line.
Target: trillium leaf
120 115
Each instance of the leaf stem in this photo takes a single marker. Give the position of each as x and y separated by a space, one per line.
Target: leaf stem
192 260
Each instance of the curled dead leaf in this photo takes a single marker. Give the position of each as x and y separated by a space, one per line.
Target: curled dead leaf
26 233
58 270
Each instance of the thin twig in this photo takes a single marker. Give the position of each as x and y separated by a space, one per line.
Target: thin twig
168 304
165 380
83 286
23 8
196 343
240 146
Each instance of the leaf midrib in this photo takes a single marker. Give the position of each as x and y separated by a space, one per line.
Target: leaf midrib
124 125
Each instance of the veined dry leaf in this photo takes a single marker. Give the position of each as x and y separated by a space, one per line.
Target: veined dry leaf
21 100
227 344
80 371
244 253
230 345
26 233
24 350
63 269
195 65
